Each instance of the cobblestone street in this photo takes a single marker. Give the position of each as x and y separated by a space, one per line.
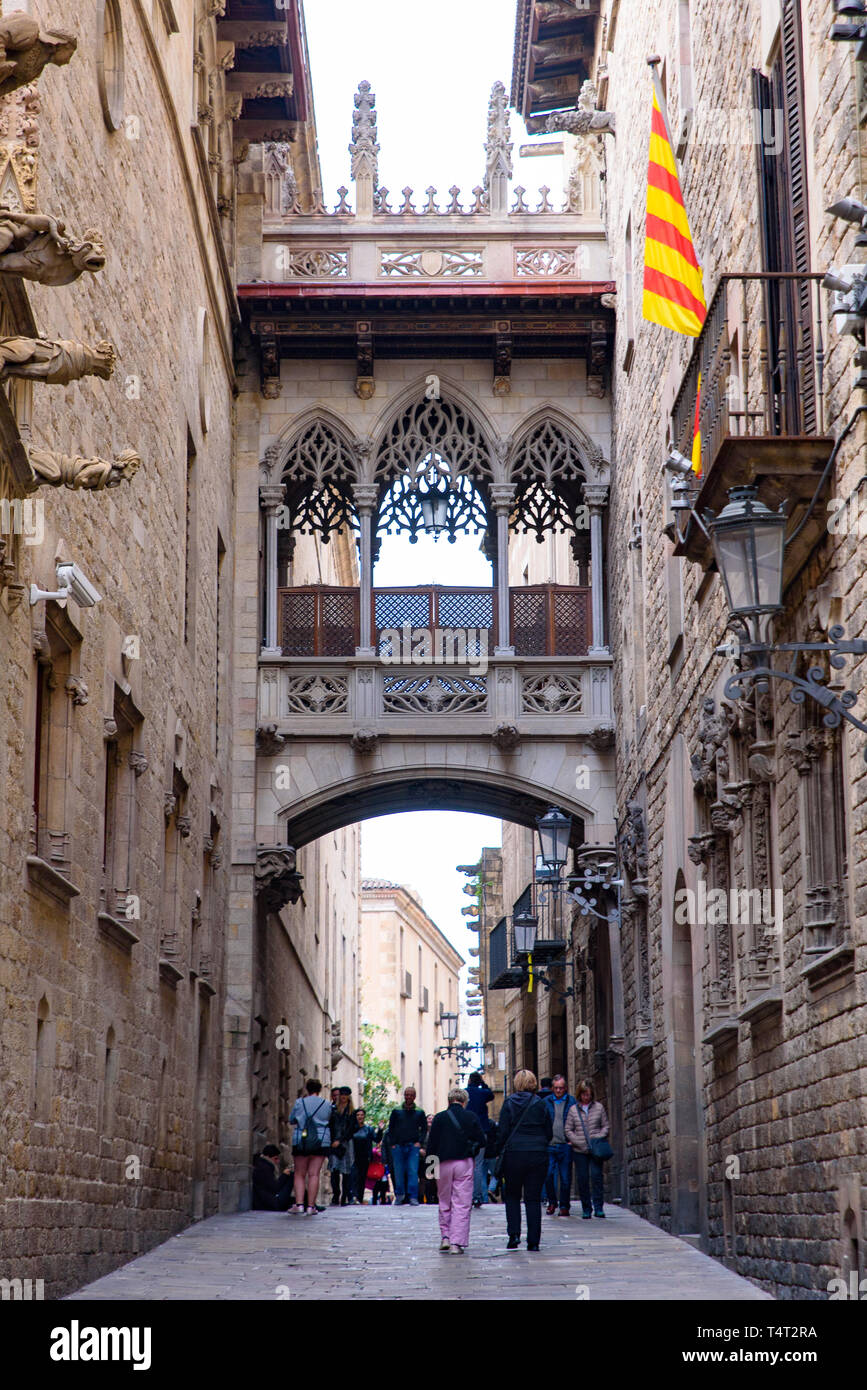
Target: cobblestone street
362 1253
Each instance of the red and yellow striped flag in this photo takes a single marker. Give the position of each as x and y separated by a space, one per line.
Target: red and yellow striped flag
673 292
696 432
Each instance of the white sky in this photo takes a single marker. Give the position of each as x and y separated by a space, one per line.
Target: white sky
431 67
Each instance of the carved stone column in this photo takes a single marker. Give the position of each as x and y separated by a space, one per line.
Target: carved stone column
271 496
502 495
596 497
365 495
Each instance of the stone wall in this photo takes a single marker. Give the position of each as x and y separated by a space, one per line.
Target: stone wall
111 1070
782 1107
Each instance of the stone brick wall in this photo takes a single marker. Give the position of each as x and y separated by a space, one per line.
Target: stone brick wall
787 1099
73 1205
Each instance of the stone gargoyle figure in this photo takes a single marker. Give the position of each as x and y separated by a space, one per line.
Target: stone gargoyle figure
25 49
81 474
41 359
36 247
584 119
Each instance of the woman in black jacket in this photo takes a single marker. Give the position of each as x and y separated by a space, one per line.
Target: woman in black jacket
524 1132
343 1125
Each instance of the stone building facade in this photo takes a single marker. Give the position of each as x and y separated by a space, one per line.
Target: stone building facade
410 974
745 1077
120 720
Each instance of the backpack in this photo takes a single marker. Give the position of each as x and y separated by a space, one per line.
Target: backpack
308 1144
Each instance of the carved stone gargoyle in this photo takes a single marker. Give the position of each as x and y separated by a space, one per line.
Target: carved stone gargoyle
277 882
81 474
58 363
25 49
583 119
36 247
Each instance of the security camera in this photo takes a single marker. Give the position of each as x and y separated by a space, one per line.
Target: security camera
71 584
848 287
851 211
70 577
677 463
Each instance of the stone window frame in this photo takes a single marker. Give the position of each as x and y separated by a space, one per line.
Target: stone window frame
110 74
685 68
58 692
119 905
108 1085
819 757
44 1056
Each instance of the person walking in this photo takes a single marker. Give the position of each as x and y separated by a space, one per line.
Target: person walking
480 1097
342 1124
586 1126
559 1102
362 1149
407 1127
524 1132
455 1139
310 1117
272 1185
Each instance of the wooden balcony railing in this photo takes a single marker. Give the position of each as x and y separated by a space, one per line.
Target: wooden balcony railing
761 356
546 619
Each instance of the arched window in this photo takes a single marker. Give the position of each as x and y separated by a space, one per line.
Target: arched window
43 1089
109 63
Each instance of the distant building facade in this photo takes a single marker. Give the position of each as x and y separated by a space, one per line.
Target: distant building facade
410 974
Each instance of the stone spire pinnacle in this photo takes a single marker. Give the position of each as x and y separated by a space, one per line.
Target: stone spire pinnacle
364 149
498 151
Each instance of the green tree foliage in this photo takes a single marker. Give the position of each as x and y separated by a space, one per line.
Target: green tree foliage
379 1079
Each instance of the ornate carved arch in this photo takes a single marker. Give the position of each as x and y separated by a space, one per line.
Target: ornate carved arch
433 446
551 465
319 465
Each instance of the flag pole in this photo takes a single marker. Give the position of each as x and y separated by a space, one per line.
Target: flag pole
653 63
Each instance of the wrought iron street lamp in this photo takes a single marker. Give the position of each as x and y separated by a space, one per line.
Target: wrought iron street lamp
526 925
555 830
449 1025
749 545
434 503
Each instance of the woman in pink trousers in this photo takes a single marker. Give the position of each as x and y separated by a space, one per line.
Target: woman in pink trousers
454 1140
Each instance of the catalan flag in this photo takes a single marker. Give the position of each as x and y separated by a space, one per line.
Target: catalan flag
696 432
673 292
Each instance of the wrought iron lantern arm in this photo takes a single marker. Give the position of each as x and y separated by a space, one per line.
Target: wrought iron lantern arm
759 672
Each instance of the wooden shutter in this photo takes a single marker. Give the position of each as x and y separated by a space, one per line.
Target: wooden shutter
785 232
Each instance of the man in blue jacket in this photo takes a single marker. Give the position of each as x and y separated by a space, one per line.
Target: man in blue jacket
559 1103
480 1096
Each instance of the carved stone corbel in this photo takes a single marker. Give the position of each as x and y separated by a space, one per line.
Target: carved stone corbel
268 742
138 762
601 738
276 880
506 738
170 802
185 826
77 690
364 741
365 381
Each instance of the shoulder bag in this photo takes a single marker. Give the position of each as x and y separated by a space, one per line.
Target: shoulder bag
497 1163
308 1144
600 1148
472 1144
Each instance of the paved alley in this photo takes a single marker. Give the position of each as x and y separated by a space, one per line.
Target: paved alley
391 1253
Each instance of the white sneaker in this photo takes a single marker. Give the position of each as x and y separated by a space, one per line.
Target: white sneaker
445 1247
458 1249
